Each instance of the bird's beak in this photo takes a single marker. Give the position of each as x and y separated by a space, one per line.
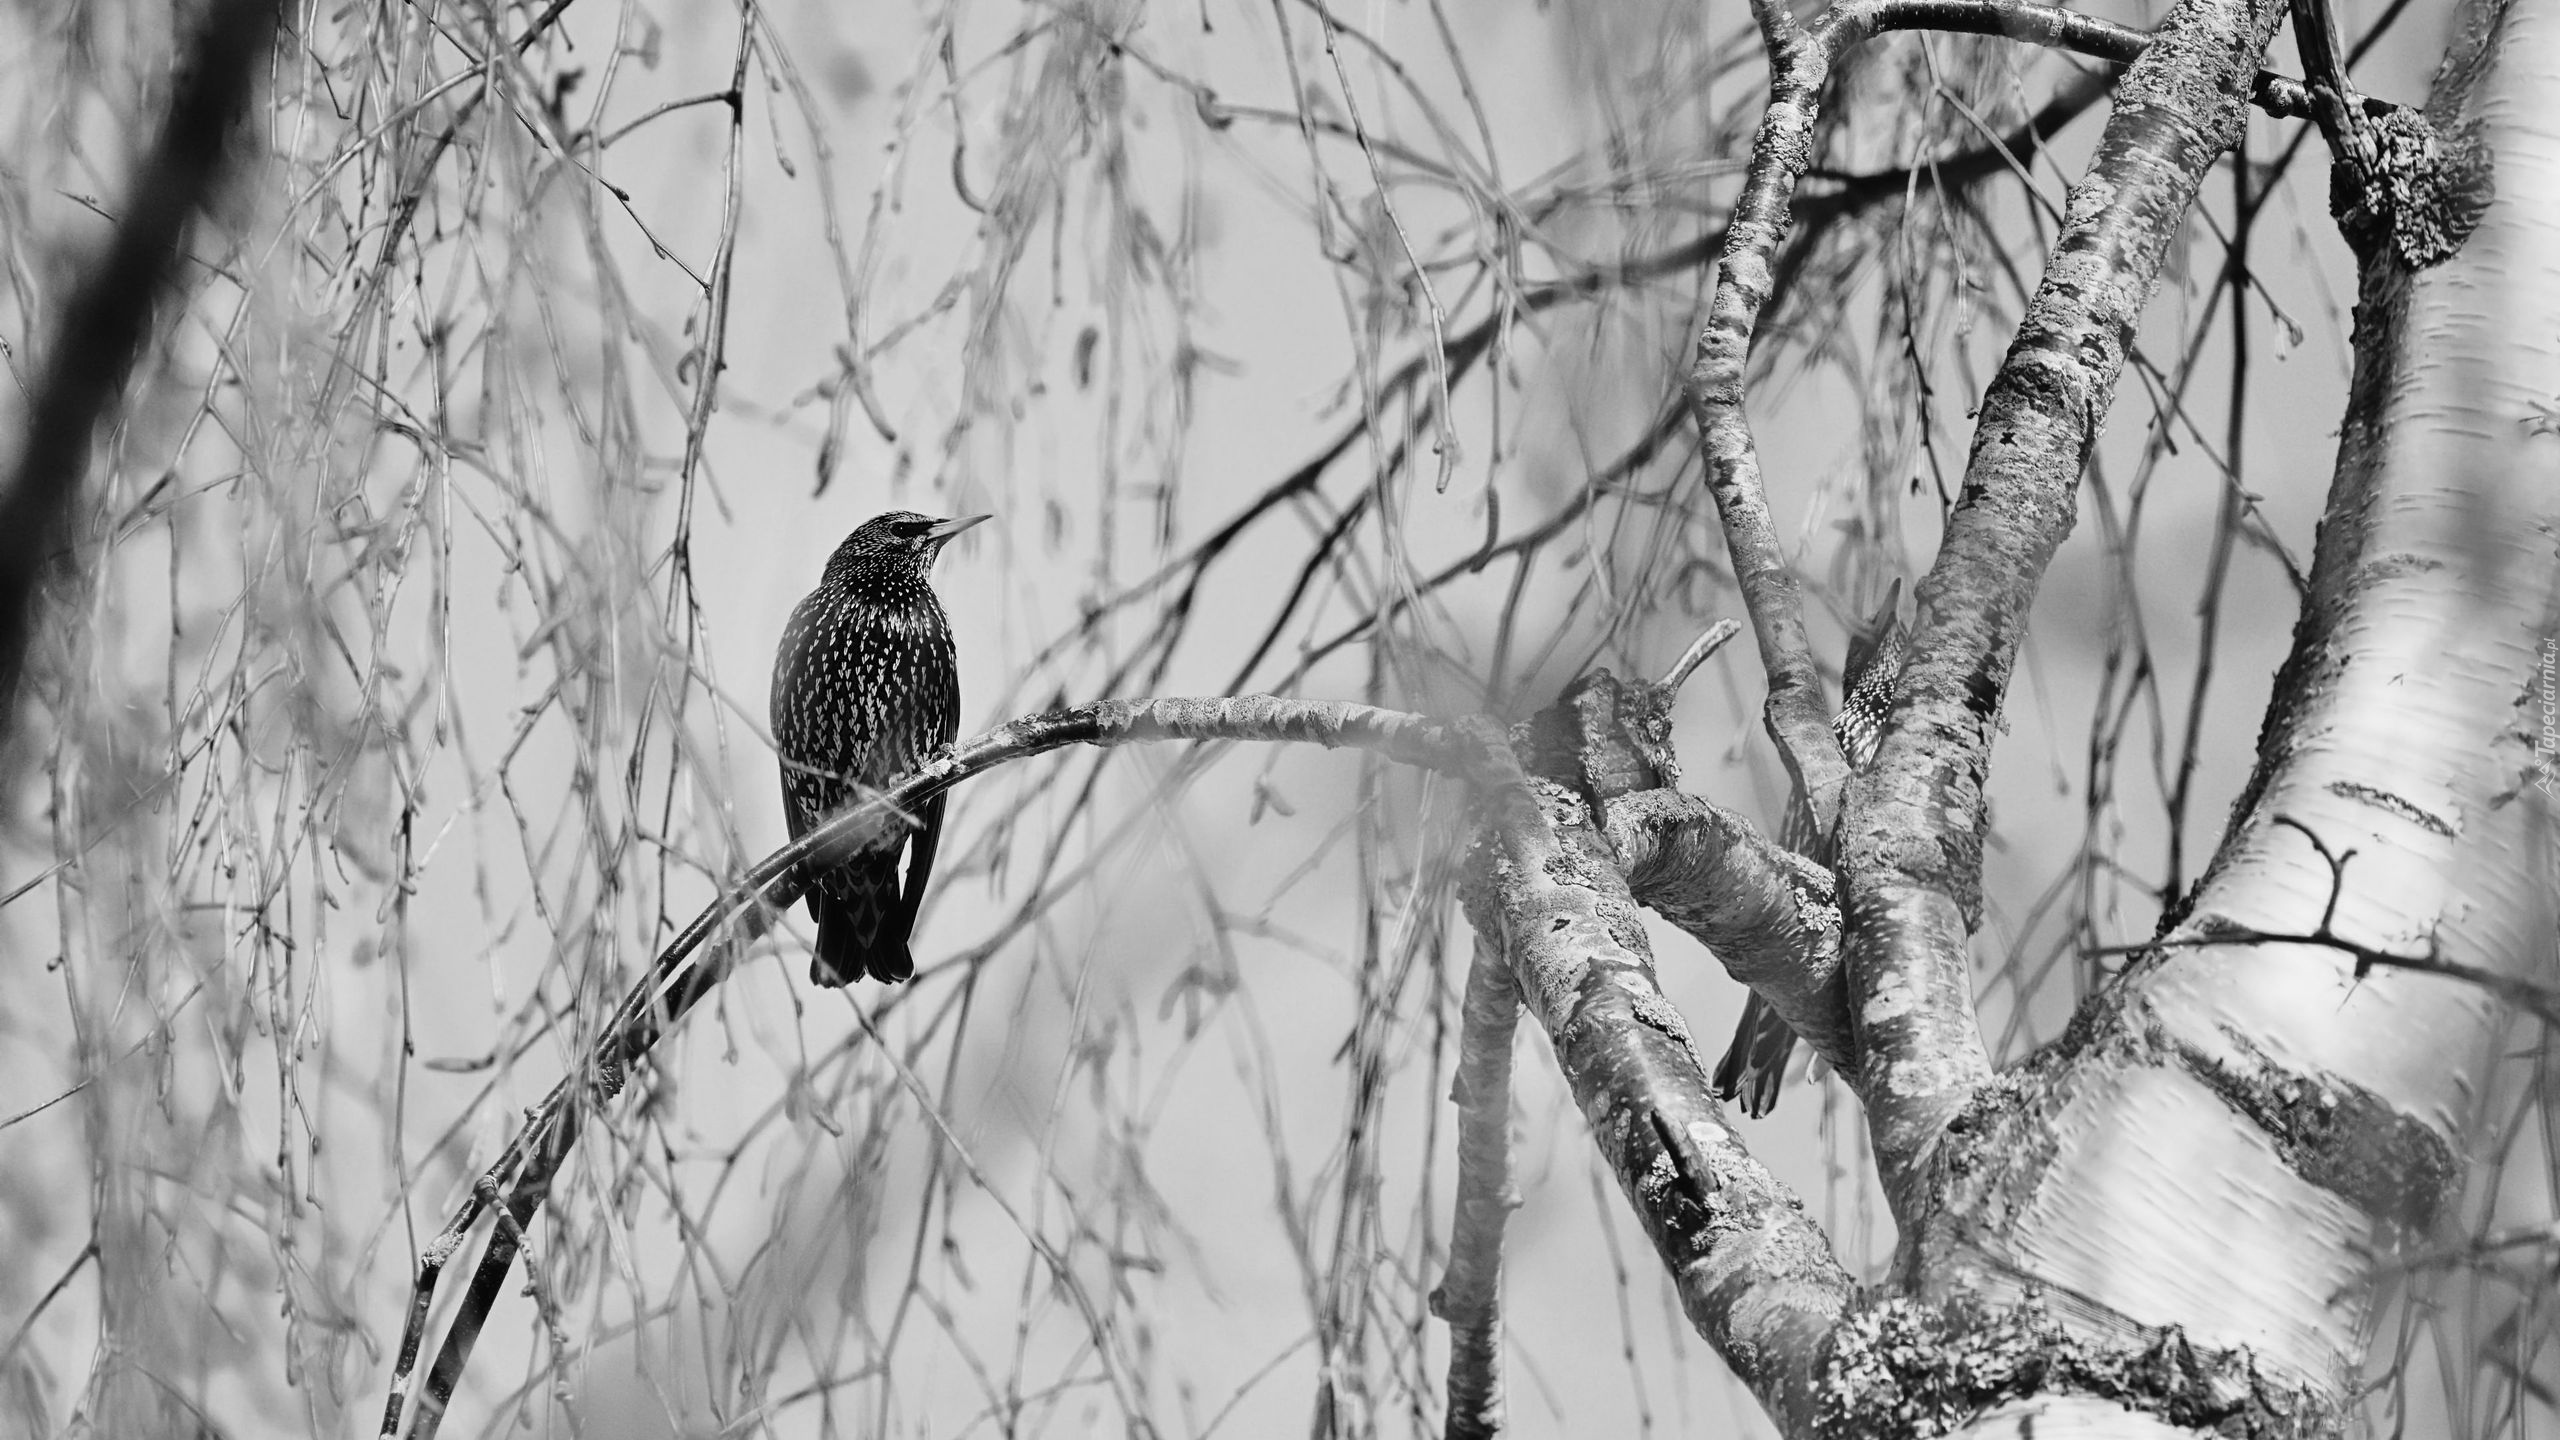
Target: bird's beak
943 530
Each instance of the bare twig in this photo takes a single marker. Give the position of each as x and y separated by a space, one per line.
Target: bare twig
1699 652
2540 1001
1469 1297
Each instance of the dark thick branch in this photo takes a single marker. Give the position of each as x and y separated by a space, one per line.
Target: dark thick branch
2054 28
108 316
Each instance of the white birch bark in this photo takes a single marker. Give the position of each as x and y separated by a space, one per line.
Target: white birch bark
2249 1128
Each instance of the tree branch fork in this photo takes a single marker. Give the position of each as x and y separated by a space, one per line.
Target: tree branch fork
1579 822
1910 828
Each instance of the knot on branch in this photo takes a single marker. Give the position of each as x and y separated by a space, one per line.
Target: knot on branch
609 1073
1604 737
2400 188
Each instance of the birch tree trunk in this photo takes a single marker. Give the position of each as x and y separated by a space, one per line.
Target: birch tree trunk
2235 1140
2177 1218
2179 1215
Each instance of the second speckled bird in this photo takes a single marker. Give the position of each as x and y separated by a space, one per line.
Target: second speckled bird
1755 1065
865 688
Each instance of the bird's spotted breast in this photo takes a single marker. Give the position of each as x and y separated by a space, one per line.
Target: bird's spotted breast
865 688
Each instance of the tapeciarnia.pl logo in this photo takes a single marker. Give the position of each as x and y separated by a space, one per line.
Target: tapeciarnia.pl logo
2546 742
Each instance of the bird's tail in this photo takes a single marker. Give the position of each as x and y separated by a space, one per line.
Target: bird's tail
857 940
1756 1063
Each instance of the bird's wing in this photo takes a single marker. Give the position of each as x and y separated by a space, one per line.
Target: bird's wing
793 819
927 838
921 846
804 790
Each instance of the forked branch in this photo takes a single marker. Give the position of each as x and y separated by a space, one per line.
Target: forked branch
2540 1001
1755 1276
1910 854
1800 61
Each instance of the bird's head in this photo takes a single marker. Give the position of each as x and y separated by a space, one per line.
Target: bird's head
900 534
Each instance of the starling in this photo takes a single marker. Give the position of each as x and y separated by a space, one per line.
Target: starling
1756 1063
865 689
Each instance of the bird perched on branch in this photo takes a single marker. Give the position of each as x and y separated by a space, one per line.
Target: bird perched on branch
865 688
1756 1063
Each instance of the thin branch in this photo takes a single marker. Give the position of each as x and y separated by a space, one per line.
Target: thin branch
1469 1297
681 975
62 1282
1762 216
2540 1001
1699 652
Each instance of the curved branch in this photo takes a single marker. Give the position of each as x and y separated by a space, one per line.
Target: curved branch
1770 915
1781 152
682 974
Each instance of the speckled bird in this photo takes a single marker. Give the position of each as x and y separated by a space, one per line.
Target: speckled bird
866 687
1756 1063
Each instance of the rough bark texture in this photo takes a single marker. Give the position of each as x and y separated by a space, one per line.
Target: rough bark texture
2235 1138
1911 840
1754 1274
1766 912
1781 151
